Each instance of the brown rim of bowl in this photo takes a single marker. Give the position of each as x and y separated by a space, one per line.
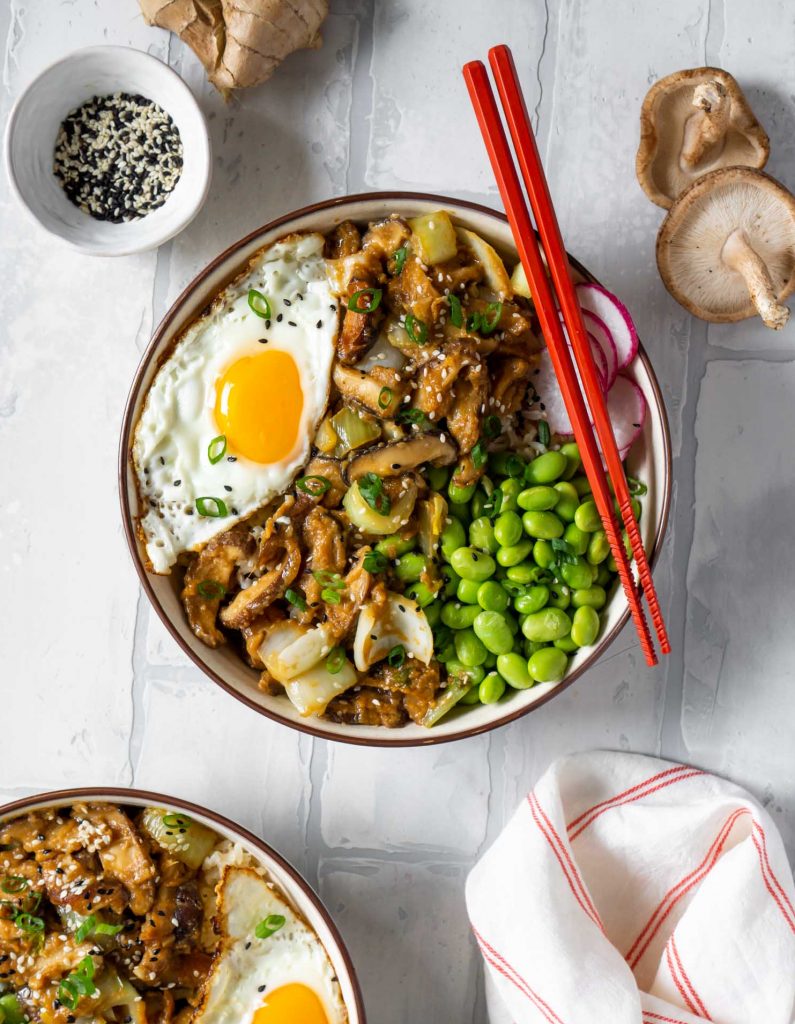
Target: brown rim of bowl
118 794
132 541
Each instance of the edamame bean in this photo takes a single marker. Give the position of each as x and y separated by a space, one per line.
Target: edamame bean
547 665
538 499
513 669
546 468
578 575
531 646
573 460
433 613
469 647
451 578
544 554
590 597
587 517
481 535
459 616
507 464
453 537
478 503
492 597
460 495
604 577
567 644
507 529
461 513
513 625
544 525
420 593
437 477
568 500
411 566
492 629
446 652
585 626
576 538
510 489
395 546
515 554
473 565
472 696
559 595
467 591
598 548
533 600
492 688
490 662
472 673
581 485
548 624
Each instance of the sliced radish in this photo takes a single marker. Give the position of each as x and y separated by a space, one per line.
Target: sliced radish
616 318
599 357
549 397
597 330
626 406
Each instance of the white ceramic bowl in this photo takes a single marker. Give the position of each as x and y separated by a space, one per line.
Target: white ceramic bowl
294 886
650 459
33 127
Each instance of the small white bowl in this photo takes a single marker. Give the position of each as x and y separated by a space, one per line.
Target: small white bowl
33 126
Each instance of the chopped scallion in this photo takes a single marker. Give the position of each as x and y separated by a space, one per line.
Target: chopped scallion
212 508
216 449
259 304
365 300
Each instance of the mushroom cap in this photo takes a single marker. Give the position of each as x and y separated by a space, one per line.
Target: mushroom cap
666 109
692 237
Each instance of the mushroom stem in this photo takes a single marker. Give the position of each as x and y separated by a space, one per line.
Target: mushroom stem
738 255
707 128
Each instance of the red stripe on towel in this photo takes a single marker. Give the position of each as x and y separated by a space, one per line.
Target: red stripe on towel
501 965
683 983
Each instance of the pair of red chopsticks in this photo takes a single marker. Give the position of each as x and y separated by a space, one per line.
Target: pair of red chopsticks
488 116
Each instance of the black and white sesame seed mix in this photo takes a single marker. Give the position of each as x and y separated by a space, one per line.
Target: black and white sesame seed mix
118 157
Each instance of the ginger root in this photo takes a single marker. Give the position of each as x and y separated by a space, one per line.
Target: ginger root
240 42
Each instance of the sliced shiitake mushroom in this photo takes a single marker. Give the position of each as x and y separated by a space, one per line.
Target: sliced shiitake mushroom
380 390
398 457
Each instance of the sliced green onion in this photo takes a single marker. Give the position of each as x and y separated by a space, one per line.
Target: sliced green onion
108 929
12 884
492 507
637 488
416 329
373 296
216 449
31 902
543 432
371 488
473 322
385 396
295 598
562 545
514 466
211 590
410 416
329 579
29 923
68 995
330 596
213 508
492 427
488 325
374 561
478 454
513 588
314 485
86 928
335 660
396 656
399 256
271 925
259 304
456 313
177 821
79 983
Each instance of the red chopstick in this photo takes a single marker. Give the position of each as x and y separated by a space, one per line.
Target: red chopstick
504 70
510 188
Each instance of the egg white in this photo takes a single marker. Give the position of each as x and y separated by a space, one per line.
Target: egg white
177 422
246 968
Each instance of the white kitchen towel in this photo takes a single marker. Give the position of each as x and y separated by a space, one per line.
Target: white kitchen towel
628 890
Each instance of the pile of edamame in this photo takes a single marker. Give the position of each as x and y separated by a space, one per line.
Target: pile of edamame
526 568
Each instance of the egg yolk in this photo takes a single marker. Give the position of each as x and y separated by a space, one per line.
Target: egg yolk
258 405
291 1004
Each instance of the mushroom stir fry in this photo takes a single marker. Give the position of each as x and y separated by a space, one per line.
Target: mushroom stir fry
102 915
335 593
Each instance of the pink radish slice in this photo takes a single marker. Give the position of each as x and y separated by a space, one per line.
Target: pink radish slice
626 406
599 357
599 332
616 318
549 396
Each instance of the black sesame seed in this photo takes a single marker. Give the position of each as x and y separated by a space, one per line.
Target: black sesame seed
177 483
263 341
261 988
287 302
227 487
292 323
319 324
279 318
231 458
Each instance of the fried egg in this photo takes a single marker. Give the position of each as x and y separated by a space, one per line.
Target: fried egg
284 978
229 417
